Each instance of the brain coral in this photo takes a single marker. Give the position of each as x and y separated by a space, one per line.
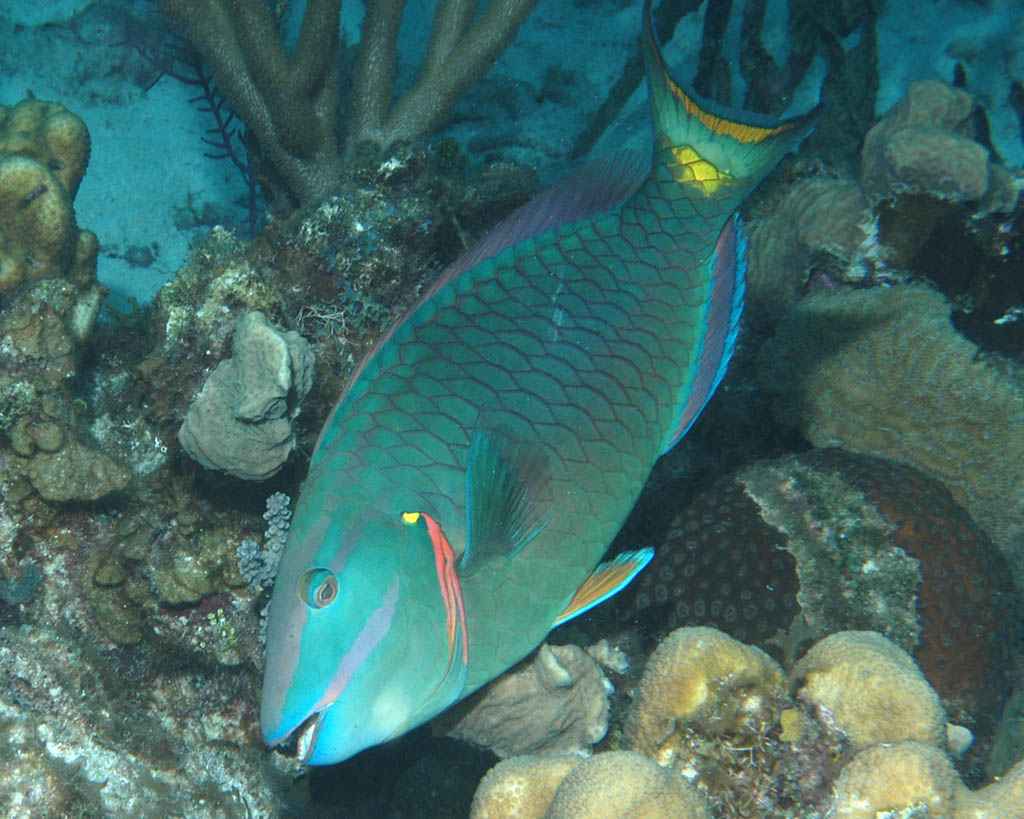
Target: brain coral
701 675
819 223
521 787
623 783
924 145
908 778
883 372
871 689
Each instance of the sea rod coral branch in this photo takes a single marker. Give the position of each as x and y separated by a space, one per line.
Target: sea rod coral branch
461 49
291 103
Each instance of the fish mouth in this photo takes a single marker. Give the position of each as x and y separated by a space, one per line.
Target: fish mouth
307 733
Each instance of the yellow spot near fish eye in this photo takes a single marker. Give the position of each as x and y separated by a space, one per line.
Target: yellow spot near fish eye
410 517
318 588
693 169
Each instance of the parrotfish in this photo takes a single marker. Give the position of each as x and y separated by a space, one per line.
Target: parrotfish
487 449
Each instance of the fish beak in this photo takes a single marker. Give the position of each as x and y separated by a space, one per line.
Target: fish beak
307 734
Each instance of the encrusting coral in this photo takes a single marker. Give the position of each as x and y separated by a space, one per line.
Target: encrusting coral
290 103
884 372
554 702
241 421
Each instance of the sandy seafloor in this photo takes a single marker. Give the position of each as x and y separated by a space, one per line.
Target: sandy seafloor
149 170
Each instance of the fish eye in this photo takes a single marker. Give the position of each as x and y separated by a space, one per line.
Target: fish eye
318 588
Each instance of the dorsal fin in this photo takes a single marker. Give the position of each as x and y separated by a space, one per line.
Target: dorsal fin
504 507
597 187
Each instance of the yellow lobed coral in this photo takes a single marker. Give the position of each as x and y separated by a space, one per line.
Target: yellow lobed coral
49 133
624 783
44 150
884 372
694 672
871 689
521 787
857 682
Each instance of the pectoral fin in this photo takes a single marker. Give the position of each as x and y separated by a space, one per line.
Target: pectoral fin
504 499
607 579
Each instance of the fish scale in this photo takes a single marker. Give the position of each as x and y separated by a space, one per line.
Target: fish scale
487 450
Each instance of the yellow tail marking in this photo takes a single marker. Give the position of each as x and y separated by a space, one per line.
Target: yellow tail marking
693 169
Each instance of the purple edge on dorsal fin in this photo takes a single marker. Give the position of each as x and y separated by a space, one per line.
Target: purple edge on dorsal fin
595 188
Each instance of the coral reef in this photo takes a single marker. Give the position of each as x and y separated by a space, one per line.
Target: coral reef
555 702
789 550
50 299
290 102
884 372
862 736
79 742
146 584
241 420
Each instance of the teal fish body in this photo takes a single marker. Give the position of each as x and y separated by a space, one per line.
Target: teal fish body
487 450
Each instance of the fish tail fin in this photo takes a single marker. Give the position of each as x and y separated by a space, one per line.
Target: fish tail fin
713 151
